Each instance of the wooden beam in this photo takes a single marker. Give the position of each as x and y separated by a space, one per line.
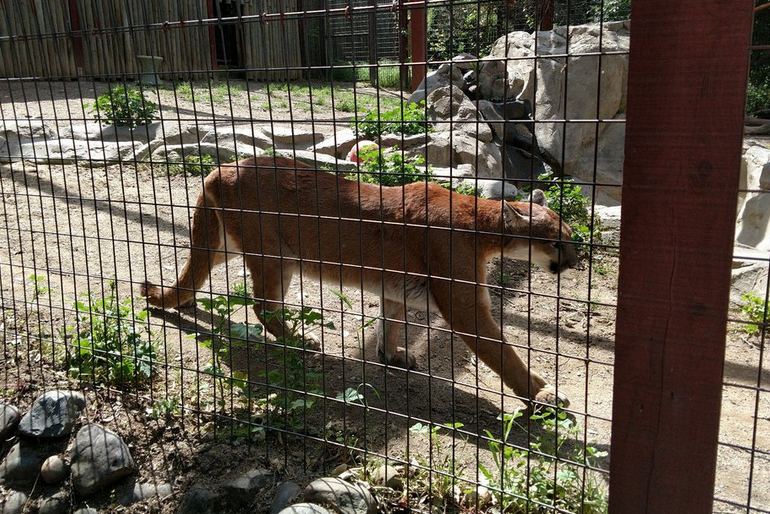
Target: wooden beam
686 90
418 21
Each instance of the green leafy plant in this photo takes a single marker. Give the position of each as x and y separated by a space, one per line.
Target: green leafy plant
756 310
548 476
123 106
39 285
567 199
199 164
407 119
437 472
111 343
164 408
356 395
390 168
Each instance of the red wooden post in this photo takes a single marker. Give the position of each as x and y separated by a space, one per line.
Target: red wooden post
686 90
77 39
418 20
211 12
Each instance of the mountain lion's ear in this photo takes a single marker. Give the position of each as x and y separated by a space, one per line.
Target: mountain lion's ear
537 196
513 218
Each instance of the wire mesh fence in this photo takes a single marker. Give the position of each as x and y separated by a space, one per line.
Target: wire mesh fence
264 260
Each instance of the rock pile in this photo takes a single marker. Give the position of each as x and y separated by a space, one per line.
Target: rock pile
96 460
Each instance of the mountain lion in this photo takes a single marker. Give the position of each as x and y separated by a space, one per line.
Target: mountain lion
418 246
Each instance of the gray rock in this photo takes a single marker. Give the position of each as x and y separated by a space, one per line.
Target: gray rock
519 165
54 470
9 419
137 492
318 161
242 489
241 139
511 73
442 77
99 458
388 476
401 141
14 134
59 503
338 144
437 151
86 510
466 62
221 154
451 110
53 414
749 273
201 500
14 503
292 136
304 508
22 464
485 157
284 495
346 498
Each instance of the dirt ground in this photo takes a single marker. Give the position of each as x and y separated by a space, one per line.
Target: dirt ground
81 227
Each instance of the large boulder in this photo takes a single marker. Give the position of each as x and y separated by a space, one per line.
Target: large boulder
564 88
15 133
445 75
753 225
451 110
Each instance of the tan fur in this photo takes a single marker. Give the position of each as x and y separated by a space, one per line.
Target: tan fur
392 241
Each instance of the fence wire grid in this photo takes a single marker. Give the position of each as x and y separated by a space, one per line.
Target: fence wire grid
258 241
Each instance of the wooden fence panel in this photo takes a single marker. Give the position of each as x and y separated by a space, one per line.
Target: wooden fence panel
117 31
41 46
269 49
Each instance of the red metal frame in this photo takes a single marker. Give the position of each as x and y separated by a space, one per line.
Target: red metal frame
686 90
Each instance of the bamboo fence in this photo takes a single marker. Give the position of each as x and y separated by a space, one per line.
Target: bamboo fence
38 39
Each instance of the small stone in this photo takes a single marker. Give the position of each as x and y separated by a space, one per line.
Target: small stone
388 476
9 418
137 492
22 463
54 470
201 500
243 488
284 495
347 498
14 504
53 414
99 458
304 508
59 503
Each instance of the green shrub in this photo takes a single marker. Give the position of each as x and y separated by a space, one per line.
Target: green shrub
124 107
549 476
111 343
390 168
756 310
199 164
567 199
757 96
407 119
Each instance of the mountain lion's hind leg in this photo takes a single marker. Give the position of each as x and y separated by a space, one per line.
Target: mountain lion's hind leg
271 279
389 334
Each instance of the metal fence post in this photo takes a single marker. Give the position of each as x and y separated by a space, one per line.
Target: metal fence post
687 84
